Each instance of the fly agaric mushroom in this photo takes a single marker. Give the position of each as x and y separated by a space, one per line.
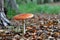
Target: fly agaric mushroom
23 17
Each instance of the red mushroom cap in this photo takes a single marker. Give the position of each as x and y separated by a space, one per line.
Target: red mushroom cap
23 16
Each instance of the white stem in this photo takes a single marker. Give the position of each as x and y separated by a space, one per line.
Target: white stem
24 27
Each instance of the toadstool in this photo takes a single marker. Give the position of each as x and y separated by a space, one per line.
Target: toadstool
23 17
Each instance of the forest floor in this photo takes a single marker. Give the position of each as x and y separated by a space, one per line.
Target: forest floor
34 23
56 3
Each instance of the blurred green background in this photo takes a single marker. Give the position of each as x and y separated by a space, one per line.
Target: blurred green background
34 6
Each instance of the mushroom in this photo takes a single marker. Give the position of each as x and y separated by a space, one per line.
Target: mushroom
23 17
